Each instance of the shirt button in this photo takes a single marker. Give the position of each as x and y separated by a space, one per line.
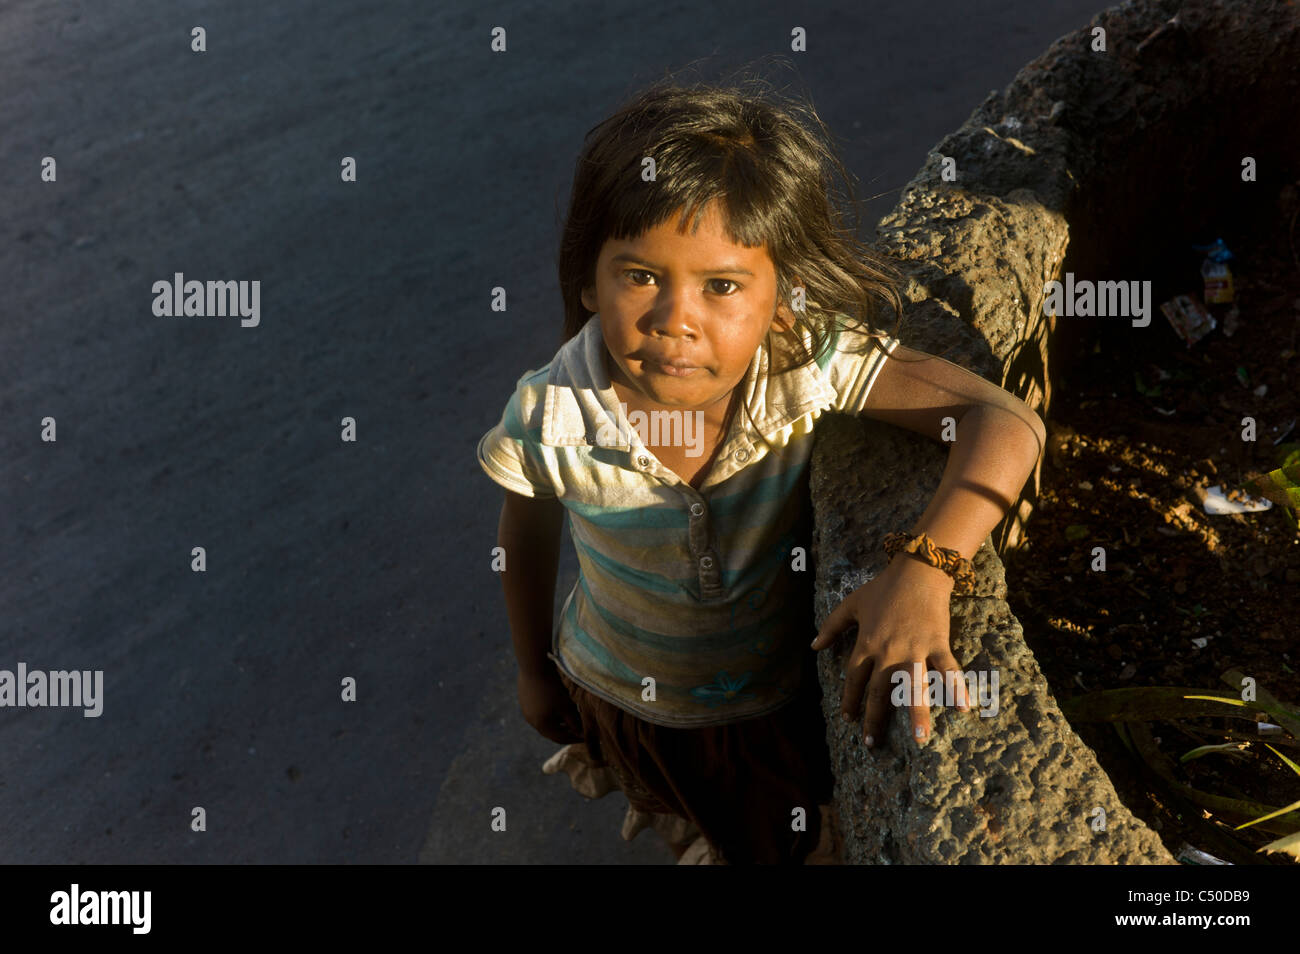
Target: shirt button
697 509
706 562
643 462
742 455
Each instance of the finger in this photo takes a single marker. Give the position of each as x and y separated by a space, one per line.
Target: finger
835 623
880 692
947 664
856 678
918 709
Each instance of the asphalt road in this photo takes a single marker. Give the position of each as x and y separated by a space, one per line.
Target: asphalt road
329 559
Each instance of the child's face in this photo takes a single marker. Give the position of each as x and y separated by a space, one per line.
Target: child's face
665 296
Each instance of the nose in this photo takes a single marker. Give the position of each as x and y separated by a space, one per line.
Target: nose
672 317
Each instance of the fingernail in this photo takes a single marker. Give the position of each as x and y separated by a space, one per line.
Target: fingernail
920 734
870 740
846 717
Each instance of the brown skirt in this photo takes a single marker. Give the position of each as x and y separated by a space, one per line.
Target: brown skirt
738 783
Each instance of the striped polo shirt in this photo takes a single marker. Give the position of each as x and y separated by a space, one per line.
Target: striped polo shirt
687 608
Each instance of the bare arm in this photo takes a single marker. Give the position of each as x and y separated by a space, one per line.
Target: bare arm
530 534
902 614
998 441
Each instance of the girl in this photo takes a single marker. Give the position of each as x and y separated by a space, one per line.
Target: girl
715 307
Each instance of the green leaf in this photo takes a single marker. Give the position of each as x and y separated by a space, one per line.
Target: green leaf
1121 729
1146 703
1281 811
1289 456
1289 844
1165 769
1280 821
1295 768
1232 748
1267 702
1231 702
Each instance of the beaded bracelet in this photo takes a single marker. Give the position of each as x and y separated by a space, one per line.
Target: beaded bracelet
945 558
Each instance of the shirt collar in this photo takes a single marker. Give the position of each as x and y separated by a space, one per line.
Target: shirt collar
582 407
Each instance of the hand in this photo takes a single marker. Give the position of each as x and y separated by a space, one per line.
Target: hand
902 618
548 707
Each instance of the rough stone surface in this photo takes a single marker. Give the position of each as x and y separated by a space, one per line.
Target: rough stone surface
1065 170
1015 787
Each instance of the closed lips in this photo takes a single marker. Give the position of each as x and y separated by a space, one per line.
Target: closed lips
668 362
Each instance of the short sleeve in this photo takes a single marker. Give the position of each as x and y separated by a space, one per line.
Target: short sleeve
511 456
854 365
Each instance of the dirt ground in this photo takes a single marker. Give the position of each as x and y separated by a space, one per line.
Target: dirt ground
1132 436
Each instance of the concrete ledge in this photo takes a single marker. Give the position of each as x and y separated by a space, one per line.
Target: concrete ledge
1019 787
1069 168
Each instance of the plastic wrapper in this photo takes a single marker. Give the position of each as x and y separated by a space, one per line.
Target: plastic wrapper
1189 318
